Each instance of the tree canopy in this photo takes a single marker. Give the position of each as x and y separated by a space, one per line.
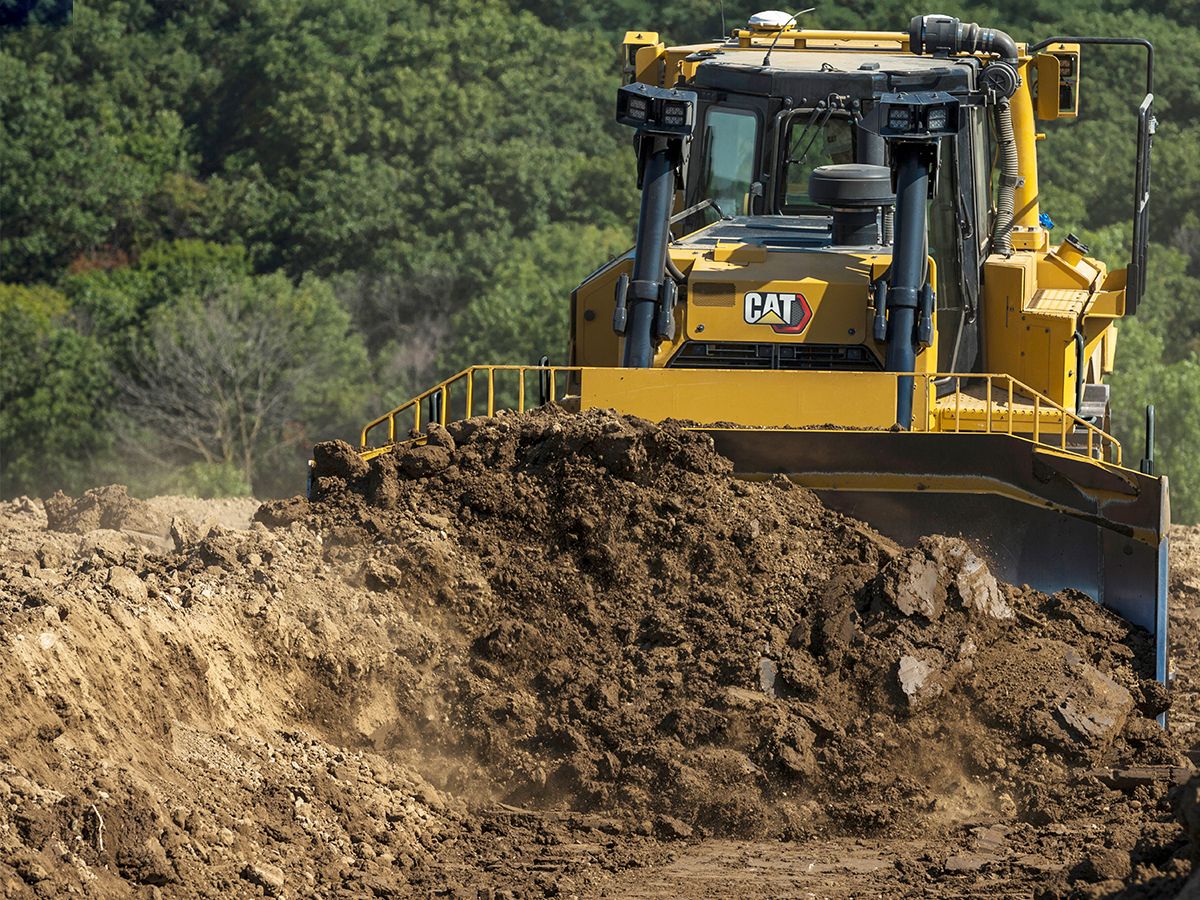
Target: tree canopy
411 186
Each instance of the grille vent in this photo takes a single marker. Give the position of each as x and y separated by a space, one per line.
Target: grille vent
712 294
842 357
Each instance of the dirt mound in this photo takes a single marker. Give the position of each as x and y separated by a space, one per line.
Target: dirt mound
541 650
622 626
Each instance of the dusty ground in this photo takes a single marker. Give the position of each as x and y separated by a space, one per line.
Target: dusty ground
566 655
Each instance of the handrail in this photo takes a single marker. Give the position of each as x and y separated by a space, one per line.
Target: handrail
1043 408
465 379
982 417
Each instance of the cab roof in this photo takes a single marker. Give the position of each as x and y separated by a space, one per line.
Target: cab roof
857 73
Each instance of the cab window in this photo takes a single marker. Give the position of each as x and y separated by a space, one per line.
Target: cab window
811 142
730 138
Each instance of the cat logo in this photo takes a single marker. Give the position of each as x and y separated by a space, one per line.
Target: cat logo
785 313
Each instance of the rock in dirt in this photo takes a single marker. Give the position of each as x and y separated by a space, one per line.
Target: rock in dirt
337 459
1091 706
916 585
424 461
1111 864
914 675
268 877
919 581
127 585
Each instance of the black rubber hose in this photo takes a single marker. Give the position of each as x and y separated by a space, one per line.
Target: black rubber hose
993 41
674 271
1010 176
946 34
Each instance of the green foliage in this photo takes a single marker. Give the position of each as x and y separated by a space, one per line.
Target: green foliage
53 386
243 374
410 187
523 314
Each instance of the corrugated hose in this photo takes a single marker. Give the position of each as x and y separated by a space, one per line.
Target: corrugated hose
1010 177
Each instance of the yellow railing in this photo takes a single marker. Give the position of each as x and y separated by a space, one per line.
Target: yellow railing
437 403
969 404
1008 406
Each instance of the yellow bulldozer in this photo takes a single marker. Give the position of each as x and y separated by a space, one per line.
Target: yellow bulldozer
842 274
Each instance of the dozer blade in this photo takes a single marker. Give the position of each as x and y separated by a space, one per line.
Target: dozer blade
1040 517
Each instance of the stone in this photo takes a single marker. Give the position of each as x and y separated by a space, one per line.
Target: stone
912 584
1104 865
977 586
965 862
437 436
1095 707
337 459
183 533
671 828
913 673
127 584
268 877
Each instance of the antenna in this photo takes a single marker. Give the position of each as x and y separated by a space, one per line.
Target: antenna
724 31
767 59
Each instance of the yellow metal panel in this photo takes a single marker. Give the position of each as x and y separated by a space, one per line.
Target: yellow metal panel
739 254
1058 302
647 62
593 342
1026 133
1030 238
1109 353
801 39
837 313
753 398
1109 301
1006 285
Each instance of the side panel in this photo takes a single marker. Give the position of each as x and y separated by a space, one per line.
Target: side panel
593 342
758 398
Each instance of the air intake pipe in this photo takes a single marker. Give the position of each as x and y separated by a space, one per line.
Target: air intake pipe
943 35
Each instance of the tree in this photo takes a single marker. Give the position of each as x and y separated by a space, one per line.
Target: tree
524 312
246 376
54 387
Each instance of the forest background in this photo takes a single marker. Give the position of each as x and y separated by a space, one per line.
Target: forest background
232 228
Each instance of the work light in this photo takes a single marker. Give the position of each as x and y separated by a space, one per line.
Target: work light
657 110
921 114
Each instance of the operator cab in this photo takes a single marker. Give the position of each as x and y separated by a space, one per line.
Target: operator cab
760 134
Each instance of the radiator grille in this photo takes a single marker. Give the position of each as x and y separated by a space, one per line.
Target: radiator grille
712 355
712 294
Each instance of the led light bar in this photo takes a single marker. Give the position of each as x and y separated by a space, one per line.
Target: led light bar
657 110
922 114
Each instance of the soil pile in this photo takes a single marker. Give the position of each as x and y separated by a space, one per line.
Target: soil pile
535 652
623 626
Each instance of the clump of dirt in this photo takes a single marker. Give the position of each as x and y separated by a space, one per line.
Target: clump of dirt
108 507
539 650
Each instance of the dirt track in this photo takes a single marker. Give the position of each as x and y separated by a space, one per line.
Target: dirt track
554 654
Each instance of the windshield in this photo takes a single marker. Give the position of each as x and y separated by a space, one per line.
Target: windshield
730 136
814 138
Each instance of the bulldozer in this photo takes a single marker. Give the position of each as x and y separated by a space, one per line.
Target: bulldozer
843 275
